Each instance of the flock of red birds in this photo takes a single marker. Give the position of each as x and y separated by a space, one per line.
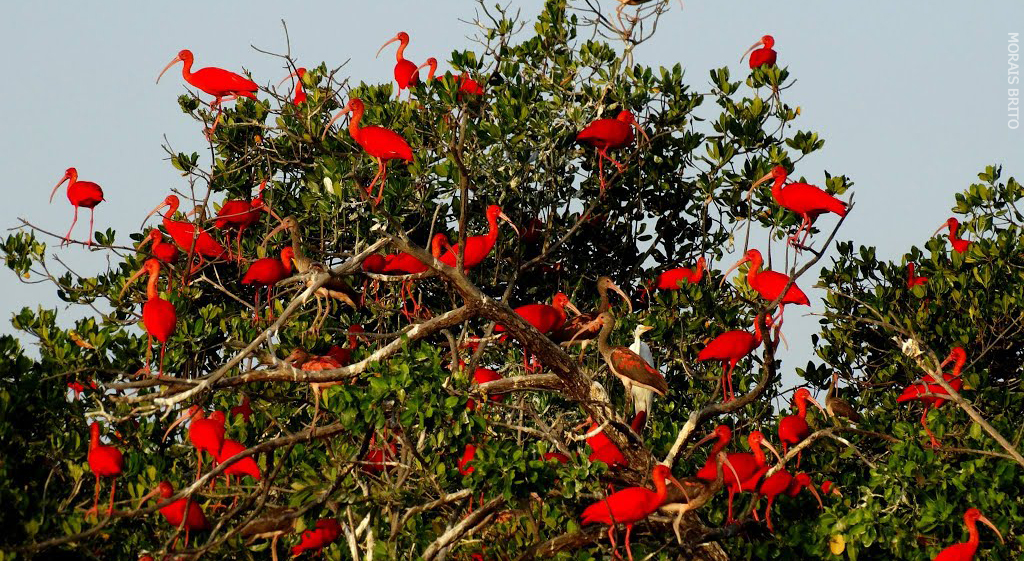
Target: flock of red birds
742 473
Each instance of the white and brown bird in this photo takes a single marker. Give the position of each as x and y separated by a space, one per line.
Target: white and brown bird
625 364
643 398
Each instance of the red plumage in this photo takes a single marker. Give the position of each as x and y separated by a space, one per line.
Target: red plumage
81 194
158 315
185 234
323 534
931 394
965 551
804 199
212 80
195 520
793 429
379 142
243 467
268 272
606 134
104 461
482 376
545 317
730 347
478 247
673 279
769 284
467 456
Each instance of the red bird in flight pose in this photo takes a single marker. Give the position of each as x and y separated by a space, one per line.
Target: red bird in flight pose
806 200
215 81
765 56
381 143
406 73
104 461
81 194
609 134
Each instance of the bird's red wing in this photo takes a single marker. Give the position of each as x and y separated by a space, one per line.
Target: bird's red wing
606 133
731 344
626 506
805 198
631 365
380 142
217 81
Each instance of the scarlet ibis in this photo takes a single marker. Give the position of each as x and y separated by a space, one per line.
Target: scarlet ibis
630 505
406 73
959 244
175 512
377 455
215 81
323 534
165 252
240 468
556 457
625 364
301 359
466 84
380 143
186 235
240 214
765 56
300 92
405 264
836 406
479 247
912 279
793 428
376 263
965 551
769 284
730 347
782 482
643 398
205 433
584 327
603 449
931 394
673 279
268 272
104 461
344 354
81 194
804 199
481 376
467 457
545 317
158 315
746 468
243 409
609 134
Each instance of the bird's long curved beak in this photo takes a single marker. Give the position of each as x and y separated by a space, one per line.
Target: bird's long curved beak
59 183
818 405
725 275
285 79
177 59
131 279
814 492
148 238
989 523
621 293
147 496
641 130
944 226
752 47
759 182
274 232
769 446
705 440
337 116
505 217
392 40
152 212
418 68
572 307
187 414
723 459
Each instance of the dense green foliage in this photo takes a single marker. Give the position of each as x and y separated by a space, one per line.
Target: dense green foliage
682 195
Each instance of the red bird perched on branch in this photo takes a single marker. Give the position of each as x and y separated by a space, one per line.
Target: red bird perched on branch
406 73
479 247
174 513
323 534
215 81
673 279
467 456
81 194
730 347
603 449
380 143
630 505
610 134
466 84
268 272
793 429
240 214
205 433
804 199
965 551
765 56
912 279
931 394
545 317
240 468
158 315
959 245
781 482
769 284
163 251
746 468
104 461
482 376
300 92
185 234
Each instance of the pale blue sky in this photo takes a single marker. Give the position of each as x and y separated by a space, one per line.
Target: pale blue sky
910 96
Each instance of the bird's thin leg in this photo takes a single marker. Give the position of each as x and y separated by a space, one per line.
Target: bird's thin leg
92 212
256 307
163 349
110 507
629 552
732 493
67 238
96 500
199 464
768 514
611 537
600 170
383 182
798 454
924 423
753 507
270 305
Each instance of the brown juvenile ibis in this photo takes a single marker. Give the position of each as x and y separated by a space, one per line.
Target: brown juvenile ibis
837 406
625 364
584 327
